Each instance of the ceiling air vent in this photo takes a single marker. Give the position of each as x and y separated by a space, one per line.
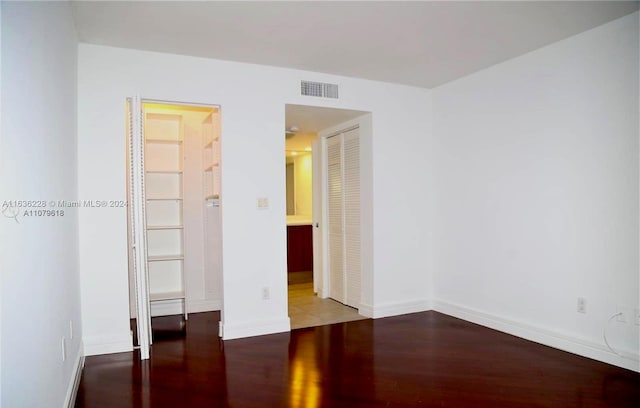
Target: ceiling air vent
319 89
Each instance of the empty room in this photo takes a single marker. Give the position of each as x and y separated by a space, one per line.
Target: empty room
460 212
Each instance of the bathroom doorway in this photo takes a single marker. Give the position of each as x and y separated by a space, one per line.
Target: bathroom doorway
314 257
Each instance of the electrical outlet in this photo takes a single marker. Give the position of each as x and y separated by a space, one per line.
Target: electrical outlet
582 305
64 350
265 293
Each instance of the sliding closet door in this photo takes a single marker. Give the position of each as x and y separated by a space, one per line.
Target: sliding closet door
343 174
336 215
351 183
138 239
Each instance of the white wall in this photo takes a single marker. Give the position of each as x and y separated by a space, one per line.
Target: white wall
39 255
303 186
252 100
536 193
2 193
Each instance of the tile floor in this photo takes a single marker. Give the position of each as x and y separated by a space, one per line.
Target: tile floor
308 310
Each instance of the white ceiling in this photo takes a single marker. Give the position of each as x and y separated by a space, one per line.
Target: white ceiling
424 44
416 43
312 119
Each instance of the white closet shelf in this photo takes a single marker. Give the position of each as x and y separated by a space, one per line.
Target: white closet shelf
164 141
164 198
166 296
163 171
164 227
161 258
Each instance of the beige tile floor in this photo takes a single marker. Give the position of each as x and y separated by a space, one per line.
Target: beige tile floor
308 310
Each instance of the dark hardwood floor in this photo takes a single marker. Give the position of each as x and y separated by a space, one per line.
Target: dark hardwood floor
421 359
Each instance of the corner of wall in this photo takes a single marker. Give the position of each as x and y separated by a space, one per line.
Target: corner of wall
389 309
551 338
96 345
237 330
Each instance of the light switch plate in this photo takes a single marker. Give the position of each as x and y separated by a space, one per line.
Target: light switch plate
263 203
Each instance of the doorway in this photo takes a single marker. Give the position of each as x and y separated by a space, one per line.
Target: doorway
312 263
174 228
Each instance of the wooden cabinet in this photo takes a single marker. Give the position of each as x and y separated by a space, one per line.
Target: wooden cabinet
299 248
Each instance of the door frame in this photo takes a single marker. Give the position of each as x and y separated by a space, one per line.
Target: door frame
326 275
364 123
136 222
136 219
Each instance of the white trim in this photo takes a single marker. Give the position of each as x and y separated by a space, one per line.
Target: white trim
254 328
317 221
138 223
167 307
324 218
395 308
175 307
581 347
198 306
96 345
365 310
72 390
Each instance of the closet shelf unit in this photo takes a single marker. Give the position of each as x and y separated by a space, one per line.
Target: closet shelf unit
211 161
164 180
154 297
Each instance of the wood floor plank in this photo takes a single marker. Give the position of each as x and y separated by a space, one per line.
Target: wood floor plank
417 360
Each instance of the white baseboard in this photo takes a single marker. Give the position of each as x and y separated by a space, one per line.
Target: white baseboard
581 347
166 307
394 308
174 307
95 345
237 330
198 306
72 389
366 310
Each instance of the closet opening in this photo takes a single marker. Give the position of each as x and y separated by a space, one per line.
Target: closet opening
322 167
174 216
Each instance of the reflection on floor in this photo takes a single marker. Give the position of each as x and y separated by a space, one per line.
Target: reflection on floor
416 360
308 310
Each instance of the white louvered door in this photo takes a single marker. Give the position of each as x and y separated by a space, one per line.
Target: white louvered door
351 183
343 173
137 223
335 212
